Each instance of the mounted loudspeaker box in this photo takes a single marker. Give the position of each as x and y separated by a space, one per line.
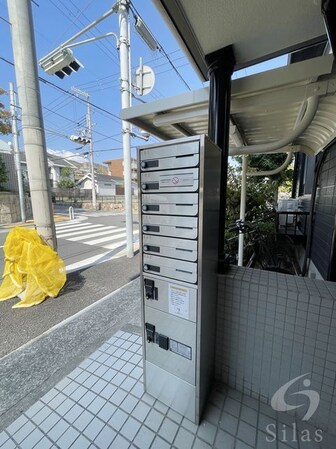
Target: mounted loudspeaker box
144 79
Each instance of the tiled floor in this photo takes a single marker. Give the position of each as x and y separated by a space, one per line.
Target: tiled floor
102 404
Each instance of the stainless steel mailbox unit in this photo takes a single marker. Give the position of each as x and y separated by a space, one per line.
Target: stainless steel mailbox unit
179 203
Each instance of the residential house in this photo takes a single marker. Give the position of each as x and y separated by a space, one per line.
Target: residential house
105 185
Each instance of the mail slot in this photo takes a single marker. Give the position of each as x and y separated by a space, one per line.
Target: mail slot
165 225
173 204
166 157
183 180
171 268
170 247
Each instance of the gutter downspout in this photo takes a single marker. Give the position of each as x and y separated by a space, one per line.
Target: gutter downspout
301 125
276 170
242 211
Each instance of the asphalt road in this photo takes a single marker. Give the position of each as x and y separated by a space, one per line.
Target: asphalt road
91 238
84 286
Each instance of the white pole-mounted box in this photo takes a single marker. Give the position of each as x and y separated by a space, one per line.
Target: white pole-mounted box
179 184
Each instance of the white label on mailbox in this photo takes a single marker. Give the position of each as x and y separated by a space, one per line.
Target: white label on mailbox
177 180
178 298
180 349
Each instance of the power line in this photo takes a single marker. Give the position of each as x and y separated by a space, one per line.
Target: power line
43 80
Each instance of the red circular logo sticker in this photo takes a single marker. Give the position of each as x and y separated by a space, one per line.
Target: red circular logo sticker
175 180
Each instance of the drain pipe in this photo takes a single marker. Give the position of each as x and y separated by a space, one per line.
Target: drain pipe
311 108
282 167
242 211
244 175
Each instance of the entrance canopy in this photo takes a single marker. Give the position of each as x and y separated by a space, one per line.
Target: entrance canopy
257 29
294 104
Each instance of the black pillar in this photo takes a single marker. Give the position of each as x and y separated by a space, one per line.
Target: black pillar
328 8
220 68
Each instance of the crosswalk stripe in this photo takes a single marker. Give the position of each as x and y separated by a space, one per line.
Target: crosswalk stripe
115 245
69 232
96 234
78 225
106 239
134 240
67 223
77 228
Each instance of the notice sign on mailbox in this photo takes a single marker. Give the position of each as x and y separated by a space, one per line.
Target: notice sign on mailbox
178 300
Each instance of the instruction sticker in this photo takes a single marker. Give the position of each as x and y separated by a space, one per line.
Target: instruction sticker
177 180
180 349
178 299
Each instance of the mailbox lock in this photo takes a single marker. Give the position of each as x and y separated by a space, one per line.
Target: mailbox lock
144 207
151 292
150 331
145 228
145 248
143 164
146 267
144 186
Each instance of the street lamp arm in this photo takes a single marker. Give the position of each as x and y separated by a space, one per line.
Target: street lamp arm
111 11
93 39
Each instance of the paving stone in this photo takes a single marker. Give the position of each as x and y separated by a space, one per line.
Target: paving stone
93 429
106 412
184 439
130 428
119 443
80 443
207 431
83 420
154 420
118 419
144 438
159 443
68 438
22 432
105 438
168 430
224 440
141 411
57 430
129 403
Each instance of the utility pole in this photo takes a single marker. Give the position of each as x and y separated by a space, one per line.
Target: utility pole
23 42
89 135
17 151
125 87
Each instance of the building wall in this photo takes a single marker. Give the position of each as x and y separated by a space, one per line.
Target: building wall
273 327
324 215
116 168
12 183
106 190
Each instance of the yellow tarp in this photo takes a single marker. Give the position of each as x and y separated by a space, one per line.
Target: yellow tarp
32 270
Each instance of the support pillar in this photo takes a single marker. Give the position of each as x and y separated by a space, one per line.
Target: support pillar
220 68
328 8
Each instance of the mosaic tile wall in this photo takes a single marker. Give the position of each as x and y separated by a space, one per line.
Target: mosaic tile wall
272 328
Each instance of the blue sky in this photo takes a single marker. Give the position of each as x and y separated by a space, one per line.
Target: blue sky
55 21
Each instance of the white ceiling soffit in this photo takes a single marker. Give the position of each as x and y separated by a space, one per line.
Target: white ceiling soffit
257 29
264 107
